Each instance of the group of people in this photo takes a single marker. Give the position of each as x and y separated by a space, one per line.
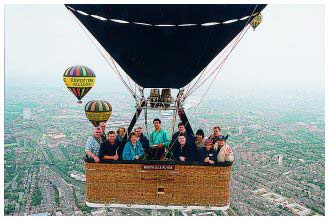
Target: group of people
182 146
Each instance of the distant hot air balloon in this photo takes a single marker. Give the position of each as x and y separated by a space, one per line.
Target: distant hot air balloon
79 80
256 21
98 111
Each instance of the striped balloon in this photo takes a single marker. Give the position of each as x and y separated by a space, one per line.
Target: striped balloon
79 80
98 111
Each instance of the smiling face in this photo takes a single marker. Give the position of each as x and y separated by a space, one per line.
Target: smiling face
97 132
220 143
181 140
111 138
133 139
138 131
216 132
122 132
199 137
157 125
102 125
181 129
208 146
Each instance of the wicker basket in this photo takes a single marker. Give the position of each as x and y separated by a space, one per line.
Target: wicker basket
157 184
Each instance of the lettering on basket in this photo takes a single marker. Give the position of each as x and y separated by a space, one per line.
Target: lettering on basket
157 167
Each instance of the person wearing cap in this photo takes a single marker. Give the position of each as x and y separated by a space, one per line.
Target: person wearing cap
93 145
207 154
224 151
216 134
199 139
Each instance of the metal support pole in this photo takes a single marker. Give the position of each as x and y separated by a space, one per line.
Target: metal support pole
134 119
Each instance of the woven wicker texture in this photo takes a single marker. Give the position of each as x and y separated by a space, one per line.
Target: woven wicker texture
181 186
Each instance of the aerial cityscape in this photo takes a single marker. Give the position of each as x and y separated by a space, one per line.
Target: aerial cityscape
277 140
254 70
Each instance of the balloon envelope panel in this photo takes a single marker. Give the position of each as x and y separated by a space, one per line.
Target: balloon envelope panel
79 80
164 56
98 111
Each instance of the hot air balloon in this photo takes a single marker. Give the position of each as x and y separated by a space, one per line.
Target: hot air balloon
256 21
79 80
155 47
98 111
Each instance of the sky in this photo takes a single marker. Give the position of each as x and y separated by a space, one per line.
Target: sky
285 51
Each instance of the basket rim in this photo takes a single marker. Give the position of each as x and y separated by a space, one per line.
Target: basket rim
171 207
160 162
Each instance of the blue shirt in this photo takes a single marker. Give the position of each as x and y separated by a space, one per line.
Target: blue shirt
92 145
130 151
157 137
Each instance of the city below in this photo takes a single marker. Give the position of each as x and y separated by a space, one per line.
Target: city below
277 140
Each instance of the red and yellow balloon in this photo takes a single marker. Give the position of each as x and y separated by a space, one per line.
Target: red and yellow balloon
79 80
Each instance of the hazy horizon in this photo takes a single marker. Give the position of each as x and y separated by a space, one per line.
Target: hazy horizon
285 52
269 98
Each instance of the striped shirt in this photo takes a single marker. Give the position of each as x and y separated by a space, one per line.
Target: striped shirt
92 145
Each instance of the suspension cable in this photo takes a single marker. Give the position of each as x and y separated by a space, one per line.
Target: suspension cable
212 63
105 55
174 121
174 141
240 37
118 72
237 40
207 69
219 67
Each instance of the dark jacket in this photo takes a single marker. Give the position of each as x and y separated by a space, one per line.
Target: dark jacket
110 149
174 139
212 154
189 151
121 141
144 141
